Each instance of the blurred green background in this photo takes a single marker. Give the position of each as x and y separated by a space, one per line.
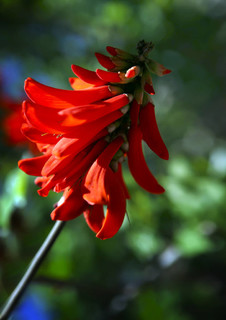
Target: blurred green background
169 259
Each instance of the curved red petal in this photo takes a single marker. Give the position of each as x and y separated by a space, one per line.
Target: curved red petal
81 163
78 84
108 76
33 166
122 182
94 216
94 191
37 136
62 99
81 135
116 207
134 112
90 113
137 163
44 119
71 205
105 61
150 131
149 88
87 75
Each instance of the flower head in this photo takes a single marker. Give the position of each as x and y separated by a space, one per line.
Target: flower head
86 133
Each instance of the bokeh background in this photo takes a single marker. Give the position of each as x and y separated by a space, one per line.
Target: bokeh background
169 259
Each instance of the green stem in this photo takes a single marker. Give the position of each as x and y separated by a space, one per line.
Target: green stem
32 269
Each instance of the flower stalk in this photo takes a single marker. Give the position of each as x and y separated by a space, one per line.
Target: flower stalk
31 271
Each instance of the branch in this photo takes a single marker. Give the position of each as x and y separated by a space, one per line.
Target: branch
31 271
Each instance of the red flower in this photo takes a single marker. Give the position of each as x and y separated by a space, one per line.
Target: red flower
86 133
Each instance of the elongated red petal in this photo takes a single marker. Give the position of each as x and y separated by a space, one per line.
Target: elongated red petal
87 75
116 207
150 131
94 191
80 136
94 216
105 61
45 119
71 205
92 112
122 182
81 163
62 99
33 166
53 165
78 84
134 112
47 185
149 88
137 163
37 136
108 76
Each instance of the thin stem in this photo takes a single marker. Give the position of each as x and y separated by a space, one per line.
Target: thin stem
32 269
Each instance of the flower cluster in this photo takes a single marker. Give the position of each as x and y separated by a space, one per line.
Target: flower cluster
86 133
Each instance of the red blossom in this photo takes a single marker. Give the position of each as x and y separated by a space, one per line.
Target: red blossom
86 133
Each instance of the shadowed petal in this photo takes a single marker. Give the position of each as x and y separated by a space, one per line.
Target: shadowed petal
33 166
116 207
70 206
137 164
37 136
158 68
94 216
122 182
80 136
150 131
94 191
90 113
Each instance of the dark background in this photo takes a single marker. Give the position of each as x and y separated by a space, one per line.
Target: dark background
169 259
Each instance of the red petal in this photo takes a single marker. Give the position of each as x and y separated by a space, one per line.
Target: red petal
134 112
94 182
47 185
83 134
92 112
62 99
150 131
105 61
81 163
108 76
118 52
149 88
94 216
122 182
87 75
33 166
116 207
112 50
137 164
37 136
46 119
72 205
53 165
78 84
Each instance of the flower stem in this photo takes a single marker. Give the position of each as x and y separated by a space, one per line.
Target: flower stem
32 269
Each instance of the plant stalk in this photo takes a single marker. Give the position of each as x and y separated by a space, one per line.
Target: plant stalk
31 271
